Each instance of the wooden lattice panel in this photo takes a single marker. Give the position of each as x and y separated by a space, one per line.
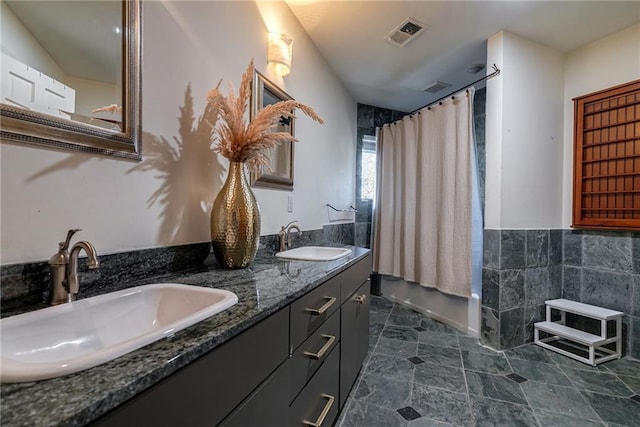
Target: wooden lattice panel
607 158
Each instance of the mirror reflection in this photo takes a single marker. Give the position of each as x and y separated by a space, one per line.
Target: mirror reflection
64 59
279 174
280 155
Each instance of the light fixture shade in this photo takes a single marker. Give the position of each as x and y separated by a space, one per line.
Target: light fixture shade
279 52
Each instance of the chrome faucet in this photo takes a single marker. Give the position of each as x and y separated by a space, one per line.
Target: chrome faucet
285 235
64 269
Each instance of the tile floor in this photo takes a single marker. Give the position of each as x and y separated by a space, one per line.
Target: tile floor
420 373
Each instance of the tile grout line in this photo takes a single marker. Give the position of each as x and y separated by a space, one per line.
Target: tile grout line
413 372
466 383
526 398
608 372
535 415
413 377
580 392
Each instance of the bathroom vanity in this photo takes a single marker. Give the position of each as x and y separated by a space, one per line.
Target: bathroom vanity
286 355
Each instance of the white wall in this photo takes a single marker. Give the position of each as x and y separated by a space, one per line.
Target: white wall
92 94
607 62
20 44
524 134
493 134
185 44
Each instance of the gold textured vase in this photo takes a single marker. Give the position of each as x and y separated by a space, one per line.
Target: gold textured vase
235 221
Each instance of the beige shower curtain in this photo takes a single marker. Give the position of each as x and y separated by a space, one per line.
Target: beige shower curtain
423 210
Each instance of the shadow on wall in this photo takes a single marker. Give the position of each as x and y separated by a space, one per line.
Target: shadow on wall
191 173
74 161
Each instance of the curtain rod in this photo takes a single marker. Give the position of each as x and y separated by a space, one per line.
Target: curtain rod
496 72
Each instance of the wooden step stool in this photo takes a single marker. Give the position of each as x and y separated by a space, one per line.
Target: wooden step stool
594 343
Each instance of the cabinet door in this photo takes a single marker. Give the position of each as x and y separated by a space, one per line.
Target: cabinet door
354 335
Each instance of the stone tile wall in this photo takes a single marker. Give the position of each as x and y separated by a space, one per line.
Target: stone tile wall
479 120
603 268
369 118
523 268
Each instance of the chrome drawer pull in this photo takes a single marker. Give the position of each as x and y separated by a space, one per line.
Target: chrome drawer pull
325 307
324 348
323 414
361 298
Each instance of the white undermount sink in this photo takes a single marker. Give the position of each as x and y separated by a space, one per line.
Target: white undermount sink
314 253
68 338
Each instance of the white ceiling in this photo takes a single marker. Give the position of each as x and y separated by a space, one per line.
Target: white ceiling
350 35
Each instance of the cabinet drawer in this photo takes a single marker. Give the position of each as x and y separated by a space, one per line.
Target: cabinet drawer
266 407
312 353
205 391
312 309
318 401
355 276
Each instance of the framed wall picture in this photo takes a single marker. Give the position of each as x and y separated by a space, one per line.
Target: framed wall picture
280 174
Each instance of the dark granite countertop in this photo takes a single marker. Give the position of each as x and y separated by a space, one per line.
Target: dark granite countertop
75 400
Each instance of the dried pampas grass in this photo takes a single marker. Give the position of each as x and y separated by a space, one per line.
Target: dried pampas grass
241 142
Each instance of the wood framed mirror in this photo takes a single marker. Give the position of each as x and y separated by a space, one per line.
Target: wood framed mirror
280 173
71 75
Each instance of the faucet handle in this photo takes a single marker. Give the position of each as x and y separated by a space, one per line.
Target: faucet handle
286 227
64 246
61 258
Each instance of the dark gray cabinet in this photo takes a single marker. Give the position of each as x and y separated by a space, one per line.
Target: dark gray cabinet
317 403
313 309
292 369
266 406
354 332
308 358
354 277
205 391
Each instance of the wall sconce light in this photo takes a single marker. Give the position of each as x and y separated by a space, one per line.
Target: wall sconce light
279 53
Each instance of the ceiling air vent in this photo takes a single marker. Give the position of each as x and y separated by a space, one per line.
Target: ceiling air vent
436 87
405 32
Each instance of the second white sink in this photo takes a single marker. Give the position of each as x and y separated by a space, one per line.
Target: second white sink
68 338
314 253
